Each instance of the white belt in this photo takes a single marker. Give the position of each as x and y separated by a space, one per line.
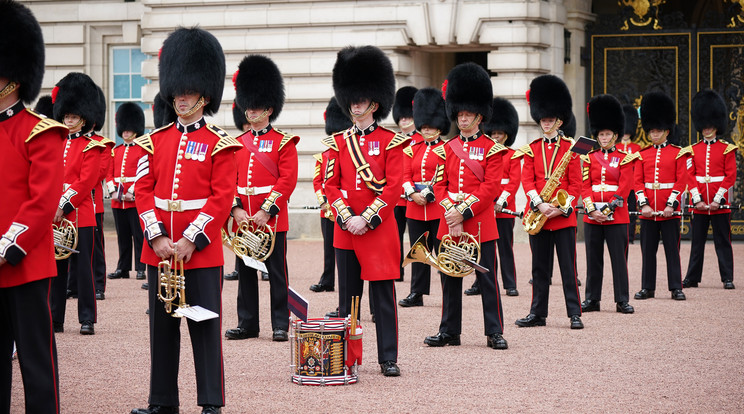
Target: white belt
659 186
180 205
124 180
67 186
345 193
708 179
249 191
458 196
604 188
504 181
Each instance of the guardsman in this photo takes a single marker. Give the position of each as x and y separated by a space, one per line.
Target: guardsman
267 176
471 181
629 146
130 124
661 176
45 106
712 175
403 117
31 153
75 101
363 185
336 121
423 167
242 125
607 176
183 198
550 107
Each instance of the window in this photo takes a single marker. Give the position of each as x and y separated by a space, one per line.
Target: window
126 82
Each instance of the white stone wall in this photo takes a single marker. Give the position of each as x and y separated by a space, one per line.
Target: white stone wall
523 39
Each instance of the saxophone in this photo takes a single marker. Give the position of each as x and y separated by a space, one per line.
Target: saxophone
534 221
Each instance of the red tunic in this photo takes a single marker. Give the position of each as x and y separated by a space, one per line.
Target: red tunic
712 174
510 182
629 148
31 161
321 161
123 174
106 160
537 169
606 174
82 160
421 165
378 250
257 187
461 189
660 177
186 188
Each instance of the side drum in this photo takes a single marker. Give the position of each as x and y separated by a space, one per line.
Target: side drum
319 350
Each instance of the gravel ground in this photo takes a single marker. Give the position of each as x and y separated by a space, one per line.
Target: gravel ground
667 357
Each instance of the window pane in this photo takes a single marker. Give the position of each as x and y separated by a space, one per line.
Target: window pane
137 58
137 83
121 60
121 87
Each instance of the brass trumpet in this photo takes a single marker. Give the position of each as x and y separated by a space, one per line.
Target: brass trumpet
65 239
456 258
249 240
172 284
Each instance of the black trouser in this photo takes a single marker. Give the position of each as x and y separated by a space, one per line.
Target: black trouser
493 313
721 239
382 296
505 245
99 256
651 231
276 264
78 266
26 319
128 230
203 288
631 200
328 278
421 272
542 245
616 236
400 218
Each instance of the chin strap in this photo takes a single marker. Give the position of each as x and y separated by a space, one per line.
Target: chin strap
8 89
475 122
372 106
200 103
432 137
258 118
557 124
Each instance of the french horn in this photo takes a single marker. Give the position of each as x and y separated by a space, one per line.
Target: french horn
456 258
249 240
65 236
172 284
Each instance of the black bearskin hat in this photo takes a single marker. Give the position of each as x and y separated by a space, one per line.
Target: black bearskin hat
364 73
192 60
468 88
21 48
631 120
130 117
403 106
259 85
44 106
569 127
504 118
162 112
100 110
549 97
605 112
238 117
336 119
429 110
657 112
709 110
77 94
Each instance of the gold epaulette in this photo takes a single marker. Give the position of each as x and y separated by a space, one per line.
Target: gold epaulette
145 141
523 150
226 141
408 151
630 158
729 148
585 172
398 139
44 124
585 158
441 152
621 151
107 141
318 157
286 138
93 144
684 151
330 142
495 149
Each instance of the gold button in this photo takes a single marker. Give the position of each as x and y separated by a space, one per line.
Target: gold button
175 180
175 186
175 196
180 157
